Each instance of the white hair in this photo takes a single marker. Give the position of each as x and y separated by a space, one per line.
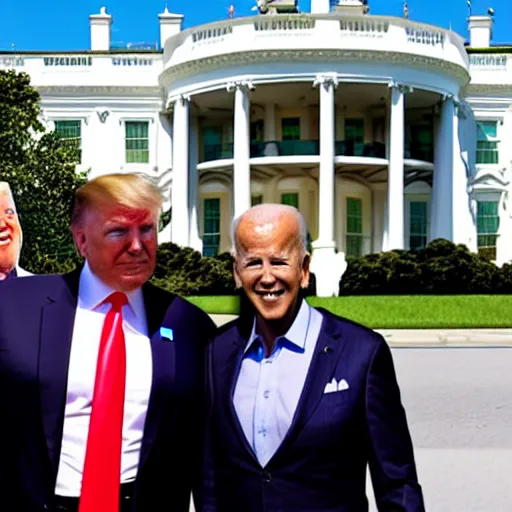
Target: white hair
271 212
5 190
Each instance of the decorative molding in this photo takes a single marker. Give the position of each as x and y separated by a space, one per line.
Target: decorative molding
199 66
106 89
488 88
102 114
326 80
403 88
243 85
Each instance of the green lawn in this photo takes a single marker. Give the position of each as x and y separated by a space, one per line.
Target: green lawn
401 312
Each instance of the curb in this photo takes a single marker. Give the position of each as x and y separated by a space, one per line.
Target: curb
419 338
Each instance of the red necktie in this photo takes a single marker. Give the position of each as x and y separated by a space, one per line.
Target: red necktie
102 469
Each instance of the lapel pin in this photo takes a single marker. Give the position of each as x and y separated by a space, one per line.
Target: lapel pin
166 333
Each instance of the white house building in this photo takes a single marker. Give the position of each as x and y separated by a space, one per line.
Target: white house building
384 132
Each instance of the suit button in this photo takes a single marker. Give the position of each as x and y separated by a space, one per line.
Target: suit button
267 477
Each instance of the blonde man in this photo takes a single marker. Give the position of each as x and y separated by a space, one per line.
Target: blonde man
105 370
10 236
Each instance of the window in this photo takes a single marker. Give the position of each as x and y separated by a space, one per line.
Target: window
71 133
255 200
290 128
422 143
417 224
487 142
487 228
211 233
354 136
354 240
290 199
137 142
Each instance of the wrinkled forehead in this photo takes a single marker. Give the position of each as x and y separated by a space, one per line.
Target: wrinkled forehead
273 236
122 213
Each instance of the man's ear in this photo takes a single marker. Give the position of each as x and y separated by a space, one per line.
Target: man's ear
238 282
80 240
306 260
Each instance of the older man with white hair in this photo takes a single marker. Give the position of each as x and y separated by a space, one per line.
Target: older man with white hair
10 236
302 401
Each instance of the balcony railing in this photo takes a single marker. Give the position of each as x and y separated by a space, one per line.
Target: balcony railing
222 151
352 148
217 151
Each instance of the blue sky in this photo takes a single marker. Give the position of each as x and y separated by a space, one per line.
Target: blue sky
59 25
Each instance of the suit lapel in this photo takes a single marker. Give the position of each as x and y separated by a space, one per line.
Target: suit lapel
229 376
57 320
163 357
328 350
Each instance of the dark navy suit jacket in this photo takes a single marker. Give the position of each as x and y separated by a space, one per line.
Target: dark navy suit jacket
36 325
321 464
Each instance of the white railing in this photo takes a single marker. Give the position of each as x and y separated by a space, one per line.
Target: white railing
488 62
327 31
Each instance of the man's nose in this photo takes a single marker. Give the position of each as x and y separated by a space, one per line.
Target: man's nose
267 277
3 222
135 244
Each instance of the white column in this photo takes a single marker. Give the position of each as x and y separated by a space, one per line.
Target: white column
327 85
269 130
327 265
193 186
442 187
179 194
241 152
395 209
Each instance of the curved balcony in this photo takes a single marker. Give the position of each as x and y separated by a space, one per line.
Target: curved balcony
272 38
272 149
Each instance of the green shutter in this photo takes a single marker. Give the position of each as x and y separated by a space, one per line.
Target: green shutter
137 142
290 199
211 231
354 136
418 224
71 132
487 145
354 237
487 227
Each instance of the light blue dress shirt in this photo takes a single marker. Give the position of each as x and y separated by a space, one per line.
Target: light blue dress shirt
268 388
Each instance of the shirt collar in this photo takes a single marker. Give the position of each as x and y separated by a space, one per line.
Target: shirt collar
12 274
93 291
296 334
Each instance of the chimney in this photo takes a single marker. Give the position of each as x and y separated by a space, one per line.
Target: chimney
480 31
170 25
351 7
100 30
320 6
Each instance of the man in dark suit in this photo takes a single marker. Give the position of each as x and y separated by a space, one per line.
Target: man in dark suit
101 373
302 401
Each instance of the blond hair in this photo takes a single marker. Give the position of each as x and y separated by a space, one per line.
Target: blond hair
128 190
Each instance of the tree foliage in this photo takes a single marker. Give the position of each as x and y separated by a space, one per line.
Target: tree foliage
40 169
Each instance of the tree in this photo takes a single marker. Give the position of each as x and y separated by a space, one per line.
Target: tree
40 169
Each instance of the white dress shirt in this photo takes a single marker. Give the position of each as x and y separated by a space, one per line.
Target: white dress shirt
268 389
90 314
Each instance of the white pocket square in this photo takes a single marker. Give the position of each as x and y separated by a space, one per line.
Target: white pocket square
331 387
334 385
343 385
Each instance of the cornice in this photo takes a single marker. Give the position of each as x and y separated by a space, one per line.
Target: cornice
199 66
488 88
101 89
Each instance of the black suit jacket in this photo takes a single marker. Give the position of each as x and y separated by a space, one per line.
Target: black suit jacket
321 464
36 326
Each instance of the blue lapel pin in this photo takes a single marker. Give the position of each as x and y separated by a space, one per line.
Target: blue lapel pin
166 334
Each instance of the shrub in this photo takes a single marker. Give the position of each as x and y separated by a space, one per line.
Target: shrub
440 268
